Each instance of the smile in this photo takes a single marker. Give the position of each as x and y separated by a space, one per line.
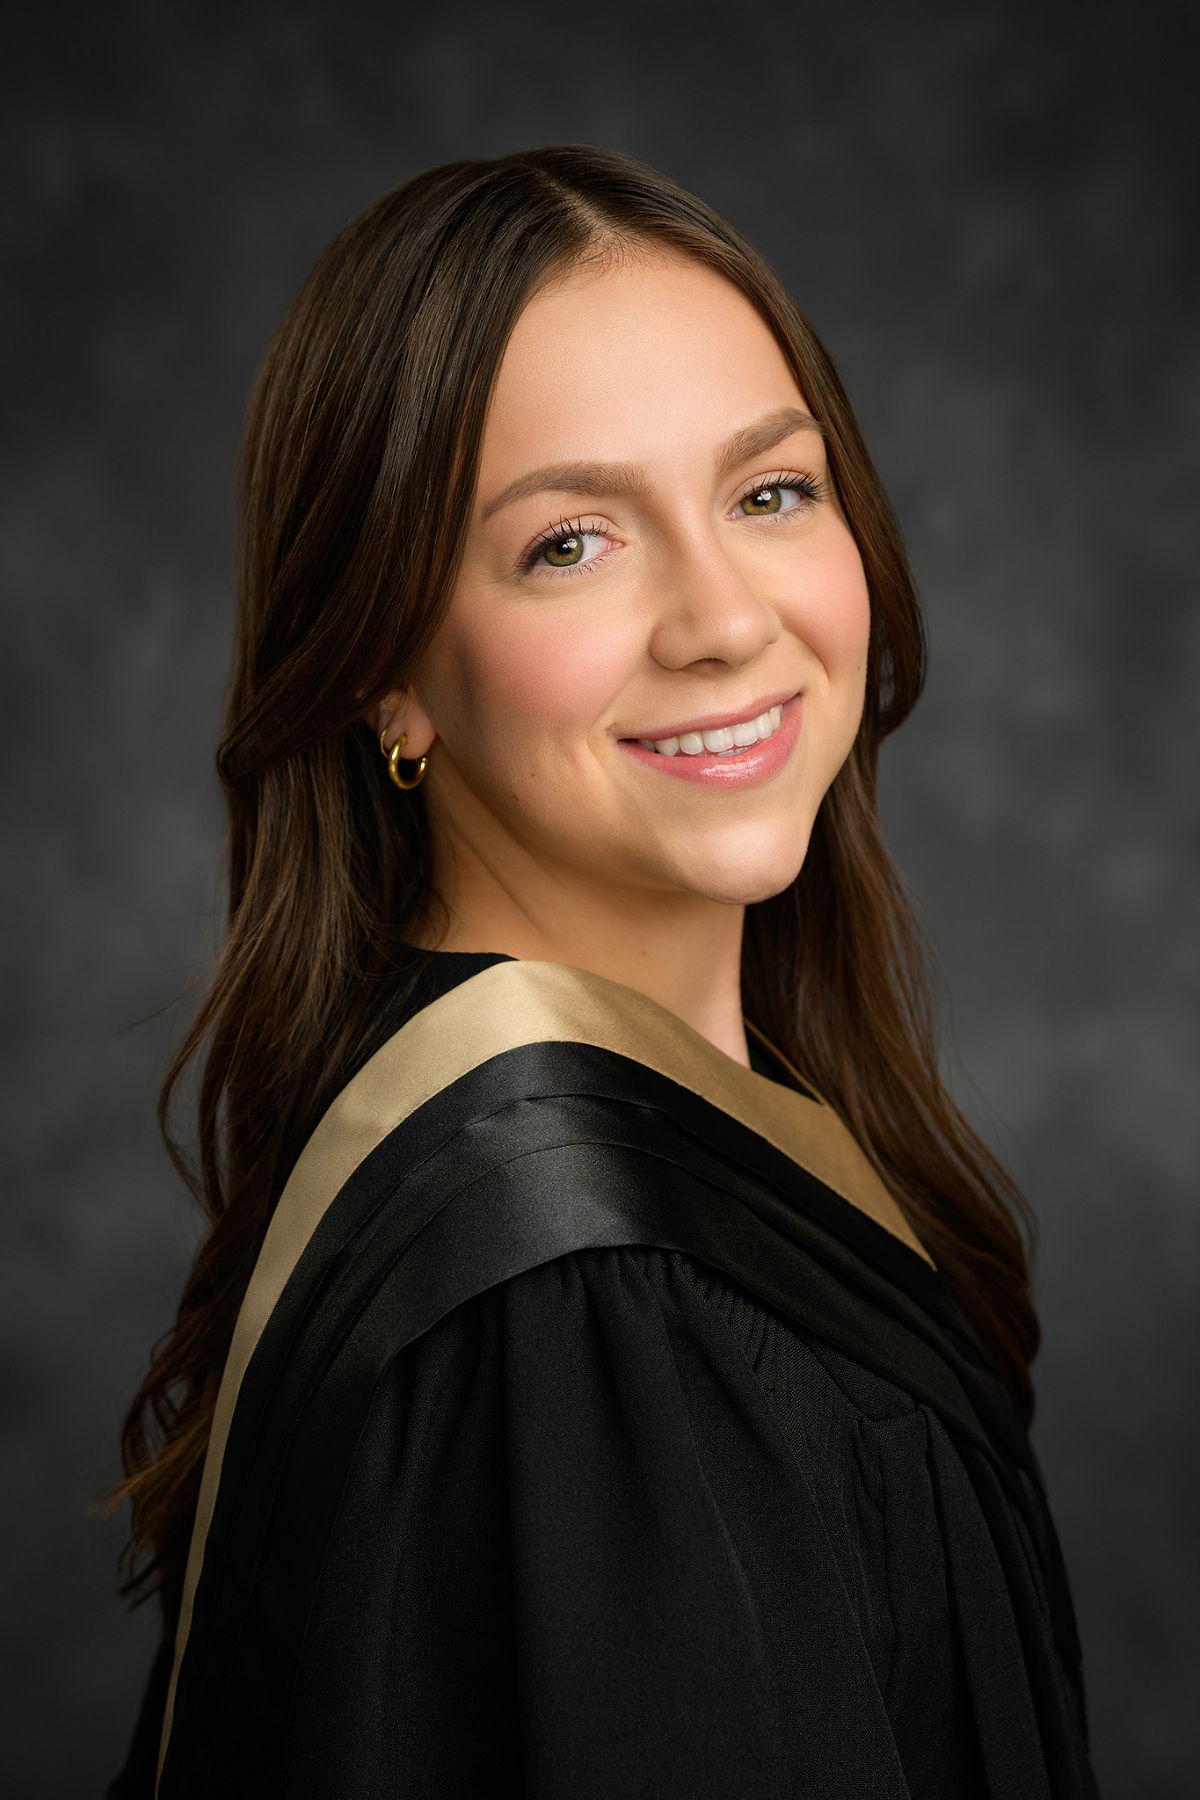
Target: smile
724 754
721 740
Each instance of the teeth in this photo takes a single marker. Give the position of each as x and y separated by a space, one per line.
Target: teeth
722 741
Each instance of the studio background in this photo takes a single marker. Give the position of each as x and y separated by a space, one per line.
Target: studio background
988 212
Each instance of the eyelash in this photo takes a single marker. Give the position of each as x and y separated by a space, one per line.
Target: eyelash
810 486
552 534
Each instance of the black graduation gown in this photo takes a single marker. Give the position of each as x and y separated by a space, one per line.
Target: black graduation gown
580 1439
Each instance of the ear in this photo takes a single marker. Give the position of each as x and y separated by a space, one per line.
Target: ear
402 712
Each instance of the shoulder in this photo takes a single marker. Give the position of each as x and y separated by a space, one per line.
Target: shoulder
666 1359
429 1184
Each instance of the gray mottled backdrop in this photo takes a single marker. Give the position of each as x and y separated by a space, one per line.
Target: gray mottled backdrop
986 210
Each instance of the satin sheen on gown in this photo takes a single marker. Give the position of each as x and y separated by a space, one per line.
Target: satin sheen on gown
581 1439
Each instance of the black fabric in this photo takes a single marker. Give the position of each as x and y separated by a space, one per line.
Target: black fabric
136 1779
594 1449
419 978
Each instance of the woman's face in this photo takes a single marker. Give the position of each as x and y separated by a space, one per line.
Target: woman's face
653 662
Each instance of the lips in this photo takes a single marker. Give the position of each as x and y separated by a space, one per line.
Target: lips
720 740
711 756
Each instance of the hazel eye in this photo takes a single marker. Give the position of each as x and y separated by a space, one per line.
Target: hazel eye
564 551
776 497
567 548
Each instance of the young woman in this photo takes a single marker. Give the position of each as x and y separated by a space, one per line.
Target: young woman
607 1370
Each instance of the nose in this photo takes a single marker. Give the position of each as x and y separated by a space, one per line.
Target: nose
708 613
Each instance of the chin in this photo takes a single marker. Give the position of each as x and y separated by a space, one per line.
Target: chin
743 875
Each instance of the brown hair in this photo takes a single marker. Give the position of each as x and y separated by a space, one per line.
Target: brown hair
359 461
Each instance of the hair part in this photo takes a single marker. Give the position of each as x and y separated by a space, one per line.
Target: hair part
359 463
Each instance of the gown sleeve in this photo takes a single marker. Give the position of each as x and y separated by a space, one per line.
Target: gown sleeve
576 1556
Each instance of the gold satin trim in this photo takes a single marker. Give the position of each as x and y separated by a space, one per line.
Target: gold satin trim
505 1007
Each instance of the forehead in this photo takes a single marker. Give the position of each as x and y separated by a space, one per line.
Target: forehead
627 360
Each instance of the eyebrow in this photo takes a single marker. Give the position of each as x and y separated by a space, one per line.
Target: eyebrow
595 479
756 440
629 481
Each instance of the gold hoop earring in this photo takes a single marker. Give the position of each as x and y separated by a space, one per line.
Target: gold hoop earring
393 761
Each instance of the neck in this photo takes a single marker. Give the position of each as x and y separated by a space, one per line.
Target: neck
681 950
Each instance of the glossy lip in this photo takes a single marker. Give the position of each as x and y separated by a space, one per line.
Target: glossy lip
711 768
714 721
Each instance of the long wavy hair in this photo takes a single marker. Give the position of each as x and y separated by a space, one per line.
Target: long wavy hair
359 462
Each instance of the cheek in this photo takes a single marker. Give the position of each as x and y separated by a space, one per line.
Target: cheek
527 675
831 613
